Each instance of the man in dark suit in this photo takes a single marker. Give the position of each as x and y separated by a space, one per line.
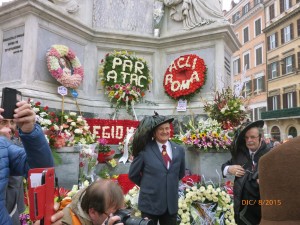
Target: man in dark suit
247 148
157 167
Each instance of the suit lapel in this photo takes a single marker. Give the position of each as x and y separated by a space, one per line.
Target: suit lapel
157 152
174 154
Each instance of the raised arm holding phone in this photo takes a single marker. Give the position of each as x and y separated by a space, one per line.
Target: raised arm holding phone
16 160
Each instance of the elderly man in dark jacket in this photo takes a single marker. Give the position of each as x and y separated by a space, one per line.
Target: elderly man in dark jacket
247 149
158 166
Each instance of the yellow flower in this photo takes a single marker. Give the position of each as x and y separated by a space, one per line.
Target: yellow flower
111 93
201 135
194 137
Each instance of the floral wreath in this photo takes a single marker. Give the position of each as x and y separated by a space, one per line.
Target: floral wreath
125 78
68 75
197 204
185 77
205 204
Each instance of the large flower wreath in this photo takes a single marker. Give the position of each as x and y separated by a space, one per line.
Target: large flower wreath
185 77
203 204
198 203
125 78
64 66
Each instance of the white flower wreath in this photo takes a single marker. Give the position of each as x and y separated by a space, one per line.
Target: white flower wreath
205 205
199 204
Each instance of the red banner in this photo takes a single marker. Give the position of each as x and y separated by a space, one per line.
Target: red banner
114 131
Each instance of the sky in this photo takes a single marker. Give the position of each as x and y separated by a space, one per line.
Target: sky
226 3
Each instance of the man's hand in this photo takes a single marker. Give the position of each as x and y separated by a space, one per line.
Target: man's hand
24 117
112 221
236 170
56 218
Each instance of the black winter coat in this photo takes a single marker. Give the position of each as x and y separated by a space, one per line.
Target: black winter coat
246 187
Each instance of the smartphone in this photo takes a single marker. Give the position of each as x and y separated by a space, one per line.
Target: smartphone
10 97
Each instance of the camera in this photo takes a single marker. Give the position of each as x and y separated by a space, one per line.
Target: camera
124 214
10 97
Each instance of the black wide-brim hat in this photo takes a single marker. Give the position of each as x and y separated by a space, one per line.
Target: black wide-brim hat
239 137
159 120
144 132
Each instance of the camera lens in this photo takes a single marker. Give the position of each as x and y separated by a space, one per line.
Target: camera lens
138 221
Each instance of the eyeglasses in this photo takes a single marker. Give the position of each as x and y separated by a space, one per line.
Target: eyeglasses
251 137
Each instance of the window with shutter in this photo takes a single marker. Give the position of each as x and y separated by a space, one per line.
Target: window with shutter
298 56
287 34
283 68
273 70
287 4
276 39
263 84
294 99
298 27
281 6
258 56
246 61
246 34
270 103
272 11
257 27
284 100
269 71
292 31
274 103
255 86
289 99
246 8
289 64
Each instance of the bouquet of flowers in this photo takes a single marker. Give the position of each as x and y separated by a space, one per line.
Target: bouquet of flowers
67 129
207 134
88 161
227 108
102 145
131 200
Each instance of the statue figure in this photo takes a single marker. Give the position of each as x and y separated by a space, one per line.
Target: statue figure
195 13
158 12
71 6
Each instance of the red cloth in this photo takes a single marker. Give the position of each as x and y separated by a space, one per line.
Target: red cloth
125 183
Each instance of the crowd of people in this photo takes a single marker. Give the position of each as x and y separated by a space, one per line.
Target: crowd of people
260 167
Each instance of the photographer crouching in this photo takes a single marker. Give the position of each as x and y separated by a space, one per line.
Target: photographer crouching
98 204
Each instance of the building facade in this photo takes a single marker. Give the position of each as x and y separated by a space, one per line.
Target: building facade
282 33
249 62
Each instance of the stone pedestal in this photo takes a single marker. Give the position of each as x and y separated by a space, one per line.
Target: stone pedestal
68 171
207 164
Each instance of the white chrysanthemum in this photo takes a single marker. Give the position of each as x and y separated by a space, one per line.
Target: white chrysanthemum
78 131
36 110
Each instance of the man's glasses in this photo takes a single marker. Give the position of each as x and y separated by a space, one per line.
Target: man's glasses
251 137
